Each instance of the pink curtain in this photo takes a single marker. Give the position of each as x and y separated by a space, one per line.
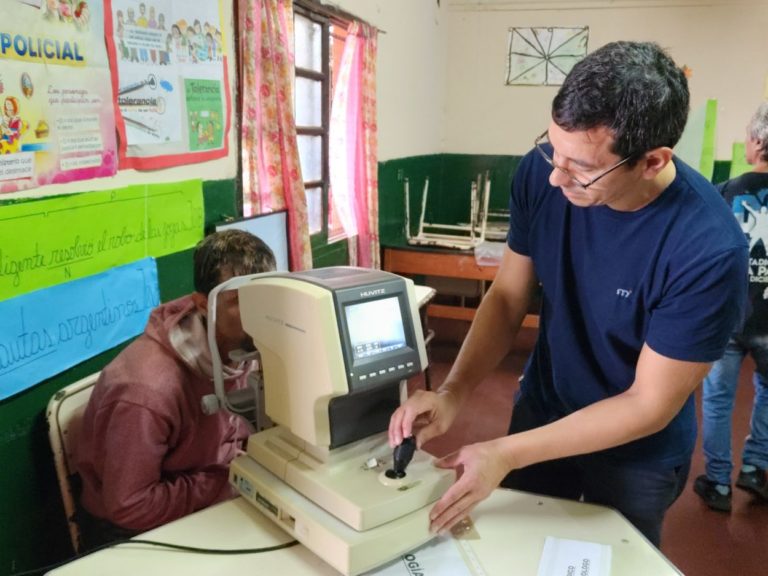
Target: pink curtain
353 146
270 157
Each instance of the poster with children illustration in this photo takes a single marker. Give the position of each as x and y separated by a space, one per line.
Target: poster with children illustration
169 73
56 104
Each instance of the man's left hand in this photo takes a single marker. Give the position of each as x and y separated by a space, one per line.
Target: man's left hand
479 470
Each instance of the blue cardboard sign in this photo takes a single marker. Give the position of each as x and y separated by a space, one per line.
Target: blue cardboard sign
44 332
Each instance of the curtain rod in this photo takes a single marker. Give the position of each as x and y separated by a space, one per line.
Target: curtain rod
333 11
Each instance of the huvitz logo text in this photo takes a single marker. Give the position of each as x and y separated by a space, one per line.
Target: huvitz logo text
373 292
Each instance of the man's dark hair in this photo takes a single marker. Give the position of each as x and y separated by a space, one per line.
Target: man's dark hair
229 253
633 88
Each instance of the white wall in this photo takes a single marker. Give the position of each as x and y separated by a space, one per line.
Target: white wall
410 73
441 68
724 44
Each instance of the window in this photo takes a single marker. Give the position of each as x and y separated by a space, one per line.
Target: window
318 46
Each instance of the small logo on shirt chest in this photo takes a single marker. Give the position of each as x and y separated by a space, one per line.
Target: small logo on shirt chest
623 293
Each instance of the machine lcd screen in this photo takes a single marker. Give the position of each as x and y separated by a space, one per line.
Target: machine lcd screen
375 328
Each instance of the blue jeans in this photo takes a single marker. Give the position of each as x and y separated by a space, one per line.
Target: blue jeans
719 391
643 495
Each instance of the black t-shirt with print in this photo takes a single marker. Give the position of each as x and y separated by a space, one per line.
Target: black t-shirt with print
747 195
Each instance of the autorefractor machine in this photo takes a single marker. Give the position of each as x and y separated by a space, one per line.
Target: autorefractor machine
335 347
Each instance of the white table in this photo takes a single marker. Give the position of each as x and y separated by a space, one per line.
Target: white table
511 528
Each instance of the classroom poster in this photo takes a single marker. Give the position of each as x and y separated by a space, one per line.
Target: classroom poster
56 104
55 240
47 331
170 79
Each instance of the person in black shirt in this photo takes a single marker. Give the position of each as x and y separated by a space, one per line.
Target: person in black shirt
747 195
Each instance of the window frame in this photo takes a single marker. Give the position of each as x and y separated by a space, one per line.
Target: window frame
319 14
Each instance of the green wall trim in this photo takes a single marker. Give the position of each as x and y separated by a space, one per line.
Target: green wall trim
721 171
334 254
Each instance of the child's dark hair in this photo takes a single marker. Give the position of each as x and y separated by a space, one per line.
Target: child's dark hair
229 253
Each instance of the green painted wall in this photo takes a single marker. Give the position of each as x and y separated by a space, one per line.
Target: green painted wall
33 531
392 175
335 254
721 171
450 177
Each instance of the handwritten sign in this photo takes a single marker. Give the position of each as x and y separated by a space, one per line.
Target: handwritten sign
47 331
46 242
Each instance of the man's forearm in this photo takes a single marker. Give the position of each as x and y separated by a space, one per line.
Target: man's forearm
658 394
605 424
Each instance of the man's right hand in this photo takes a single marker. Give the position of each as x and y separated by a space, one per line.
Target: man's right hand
424 415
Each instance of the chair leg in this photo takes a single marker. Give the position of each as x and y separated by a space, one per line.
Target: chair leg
428 337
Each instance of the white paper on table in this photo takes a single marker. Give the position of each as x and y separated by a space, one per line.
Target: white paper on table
562 557
438 557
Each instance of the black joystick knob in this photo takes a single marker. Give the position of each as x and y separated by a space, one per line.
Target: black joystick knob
401 457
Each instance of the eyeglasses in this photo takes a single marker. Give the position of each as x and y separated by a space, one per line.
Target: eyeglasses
543 139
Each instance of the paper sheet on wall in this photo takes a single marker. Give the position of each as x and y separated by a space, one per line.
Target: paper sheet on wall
46 242
47 331
169 68
439 557
697 144
707 163
563 557
56 111
739 164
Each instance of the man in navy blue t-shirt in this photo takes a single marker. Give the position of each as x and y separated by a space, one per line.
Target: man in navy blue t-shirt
643 278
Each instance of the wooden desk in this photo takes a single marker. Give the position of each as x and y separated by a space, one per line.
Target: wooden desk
511 527
446 263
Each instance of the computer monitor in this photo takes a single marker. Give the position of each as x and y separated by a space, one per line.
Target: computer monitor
272 228
334 345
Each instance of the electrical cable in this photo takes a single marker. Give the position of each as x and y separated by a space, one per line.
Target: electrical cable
191 549
215 551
